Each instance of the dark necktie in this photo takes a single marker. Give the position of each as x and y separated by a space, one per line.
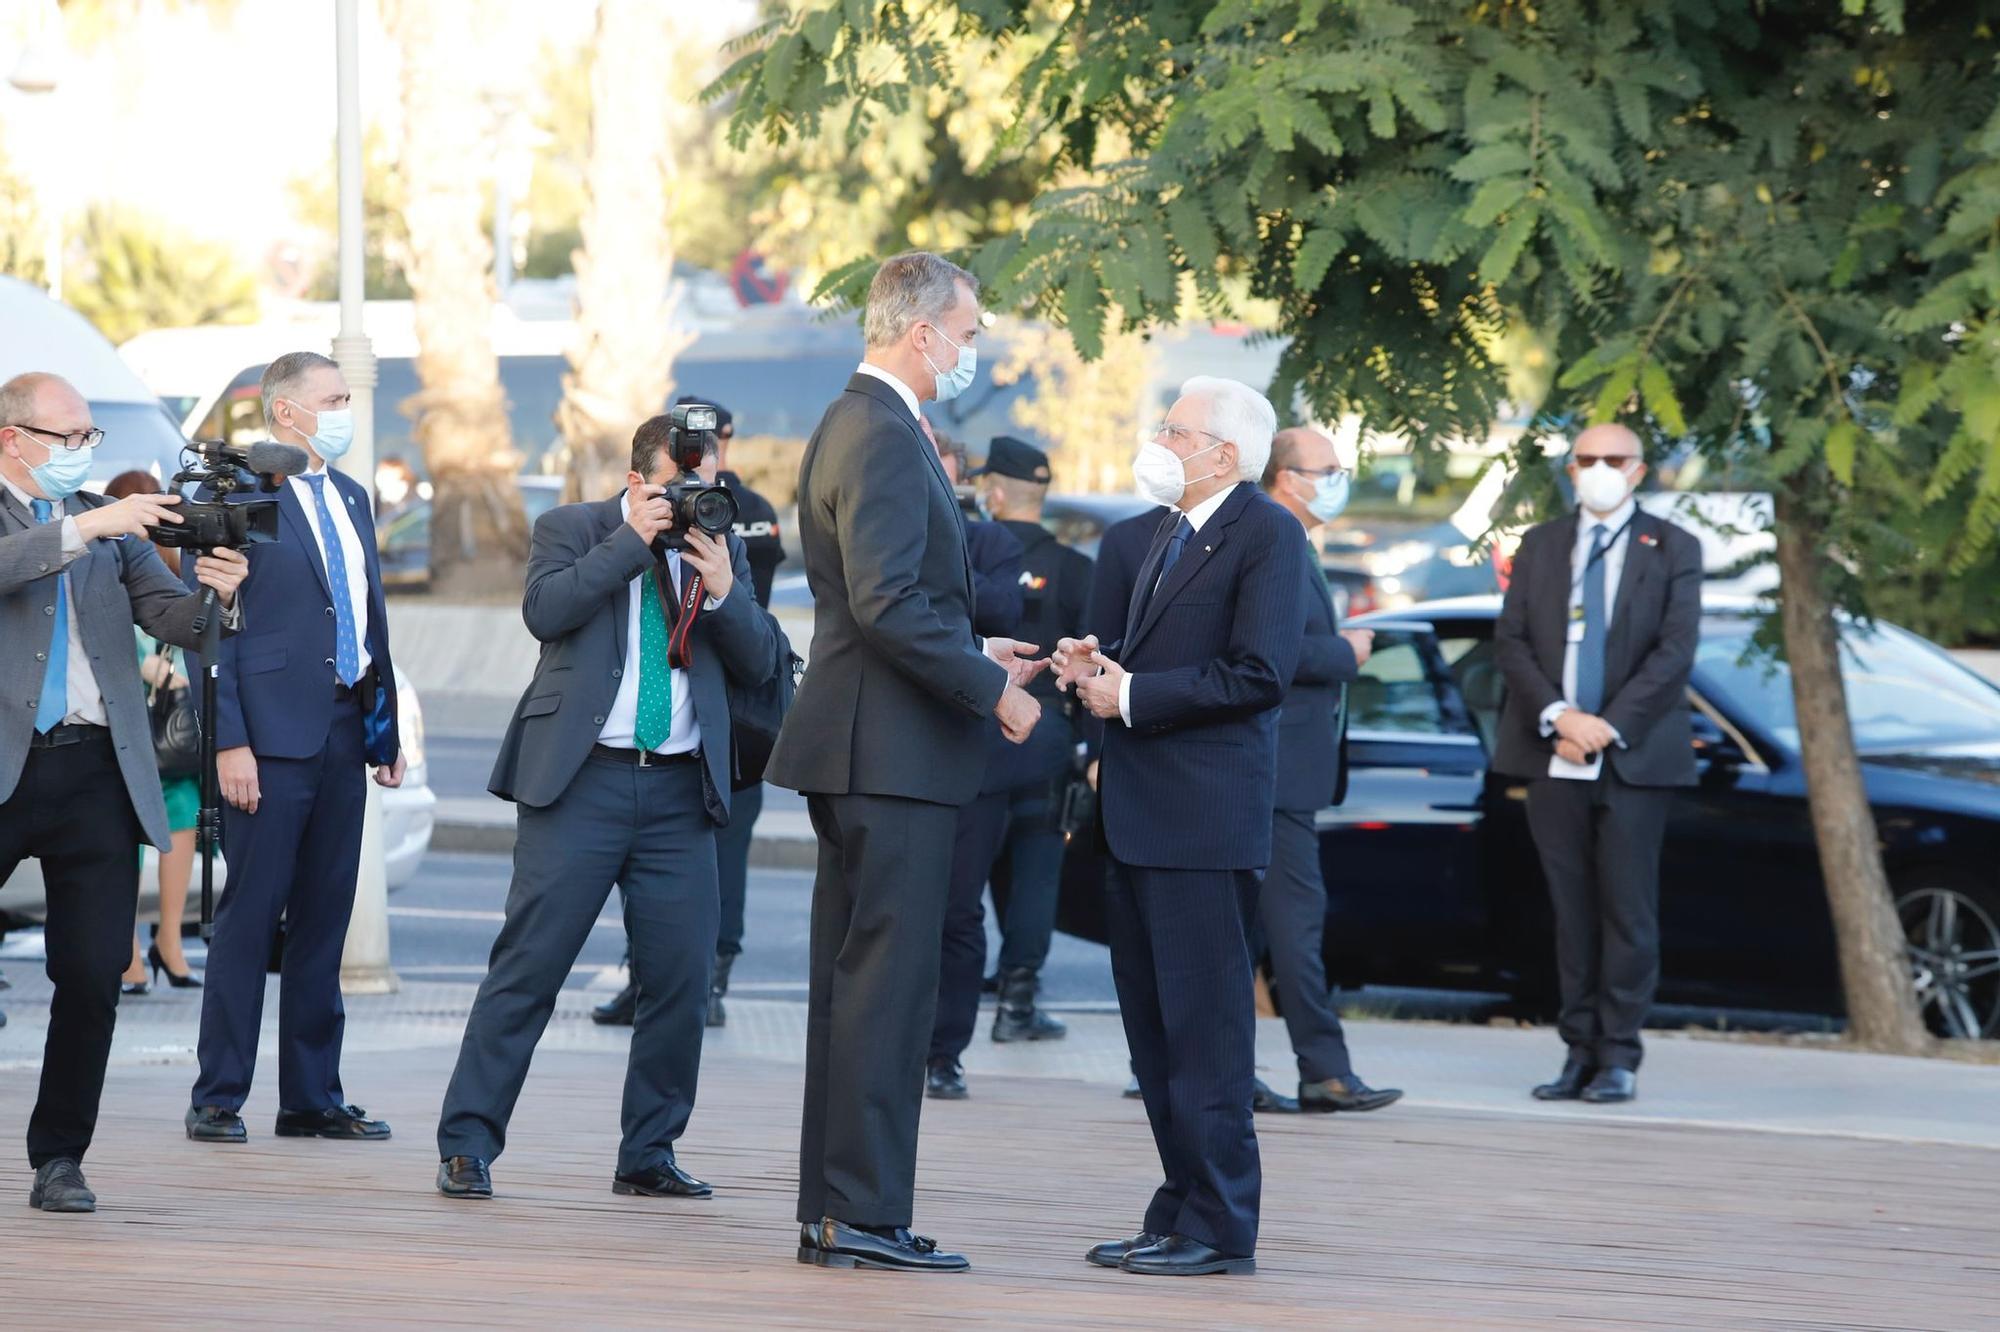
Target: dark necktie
1590 652
1176 547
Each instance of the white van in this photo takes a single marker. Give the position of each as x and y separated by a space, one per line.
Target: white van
37 333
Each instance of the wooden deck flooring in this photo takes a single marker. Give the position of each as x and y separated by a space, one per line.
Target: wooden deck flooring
1407 1218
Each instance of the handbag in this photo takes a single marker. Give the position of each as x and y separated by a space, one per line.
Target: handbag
176 728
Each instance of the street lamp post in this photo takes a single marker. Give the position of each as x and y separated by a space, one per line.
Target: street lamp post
364 963
35 75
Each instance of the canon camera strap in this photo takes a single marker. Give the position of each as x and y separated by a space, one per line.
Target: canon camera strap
680 617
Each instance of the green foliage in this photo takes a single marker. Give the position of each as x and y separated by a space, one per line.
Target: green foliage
385 238
137 275
1766 226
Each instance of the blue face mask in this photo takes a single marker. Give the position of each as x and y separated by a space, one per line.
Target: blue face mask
63 474
952 382
333 432
1329 497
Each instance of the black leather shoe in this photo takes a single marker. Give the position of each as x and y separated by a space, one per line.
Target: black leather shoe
464 1177
837 1244
718 985
211 1123
1569 1084
619 1010
1349 1093
944 1080
1017 1018
665 1180
1177 1255
348 1123
1267 1102
1112 1252
1612 1086
59 1187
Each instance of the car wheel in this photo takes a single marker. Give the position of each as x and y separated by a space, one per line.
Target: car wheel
1954 941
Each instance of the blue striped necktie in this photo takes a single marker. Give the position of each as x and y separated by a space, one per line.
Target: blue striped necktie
1590 652
346 647
54 704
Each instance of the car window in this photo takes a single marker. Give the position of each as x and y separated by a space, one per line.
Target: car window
1397 693
1476 672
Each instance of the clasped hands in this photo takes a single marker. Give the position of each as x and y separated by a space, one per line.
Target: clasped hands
1081 666
1582 736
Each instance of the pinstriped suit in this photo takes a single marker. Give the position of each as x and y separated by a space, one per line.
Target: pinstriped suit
1187 792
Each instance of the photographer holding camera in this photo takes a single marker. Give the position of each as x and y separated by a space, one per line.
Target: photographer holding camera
618 760
78 790
305 704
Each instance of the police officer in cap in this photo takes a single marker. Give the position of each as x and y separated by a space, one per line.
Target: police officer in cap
757 528
1017 811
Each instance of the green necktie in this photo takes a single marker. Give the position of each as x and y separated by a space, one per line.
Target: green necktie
656 689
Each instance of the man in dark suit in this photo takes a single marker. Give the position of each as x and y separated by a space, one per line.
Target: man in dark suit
1306 480
1596 640
897 694
78 789
306 701
618 759
1189 697
1016 814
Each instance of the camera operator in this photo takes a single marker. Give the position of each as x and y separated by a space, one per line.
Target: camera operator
618 761
305 703
78 789
757 528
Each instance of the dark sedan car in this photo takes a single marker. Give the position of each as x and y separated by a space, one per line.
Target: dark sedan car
1433 877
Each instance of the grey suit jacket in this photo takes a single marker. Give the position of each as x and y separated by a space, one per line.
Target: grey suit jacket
578 603
897 694
1648 653
112 586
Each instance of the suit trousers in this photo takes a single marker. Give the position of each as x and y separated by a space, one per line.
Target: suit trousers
877 921
1291 906
980 829
71 812
1599 843
645 830
732 856
296 857
1181 963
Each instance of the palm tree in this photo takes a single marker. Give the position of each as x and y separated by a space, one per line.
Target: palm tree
479 536
621 363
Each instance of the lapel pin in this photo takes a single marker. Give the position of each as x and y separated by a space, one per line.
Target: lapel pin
1647 539
1208 550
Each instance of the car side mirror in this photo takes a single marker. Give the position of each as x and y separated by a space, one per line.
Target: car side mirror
1711 742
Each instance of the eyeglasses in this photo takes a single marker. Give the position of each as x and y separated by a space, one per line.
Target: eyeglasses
83 439
1621 461
1180 434
1318 473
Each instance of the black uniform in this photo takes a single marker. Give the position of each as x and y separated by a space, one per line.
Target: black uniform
1015 816
757 528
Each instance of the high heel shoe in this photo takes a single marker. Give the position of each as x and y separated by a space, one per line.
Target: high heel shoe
134 988
187 981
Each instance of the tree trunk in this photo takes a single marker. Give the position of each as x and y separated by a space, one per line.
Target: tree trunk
1874 956
621 364
479 534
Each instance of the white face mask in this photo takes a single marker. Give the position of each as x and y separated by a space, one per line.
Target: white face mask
1602 487
1161 474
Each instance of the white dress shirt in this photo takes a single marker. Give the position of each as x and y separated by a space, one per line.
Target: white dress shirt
903 391
1197 518
1617 524
352 552
621 724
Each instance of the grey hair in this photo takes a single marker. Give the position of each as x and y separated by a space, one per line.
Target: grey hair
17 395
1239 414
910 289
282 376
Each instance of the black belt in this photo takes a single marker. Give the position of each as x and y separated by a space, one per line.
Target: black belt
341 692
67 734
642 758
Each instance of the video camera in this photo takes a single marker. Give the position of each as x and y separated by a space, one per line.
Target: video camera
214 524
697 507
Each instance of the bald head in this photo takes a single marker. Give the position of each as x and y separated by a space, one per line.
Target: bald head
1609 440
27 399
1605 467
1292 444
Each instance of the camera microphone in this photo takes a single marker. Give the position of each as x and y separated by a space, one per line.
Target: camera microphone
273 459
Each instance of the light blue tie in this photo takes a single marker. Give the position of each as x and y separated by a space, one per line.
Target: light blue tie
55 680
346 648
1590 652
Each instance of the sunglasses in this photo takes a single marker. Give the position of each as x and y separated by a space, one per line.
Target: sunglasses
1619 460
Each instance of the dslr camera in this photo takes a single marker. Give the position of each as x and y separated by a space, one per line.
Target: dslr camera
697 507
214 524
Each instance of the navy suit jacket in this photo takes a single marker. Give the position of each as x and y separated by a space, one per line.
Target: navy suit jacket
578 604
274 685
1312 725
1191 783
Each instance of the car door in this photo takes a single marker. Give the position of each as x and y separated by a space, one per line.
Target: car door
1401 854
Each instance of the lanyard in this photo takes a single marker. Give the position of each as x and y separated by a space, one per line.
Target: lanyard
1576 583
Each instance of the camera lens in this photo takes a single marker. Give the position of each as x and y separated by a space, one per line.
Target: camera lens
714 510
